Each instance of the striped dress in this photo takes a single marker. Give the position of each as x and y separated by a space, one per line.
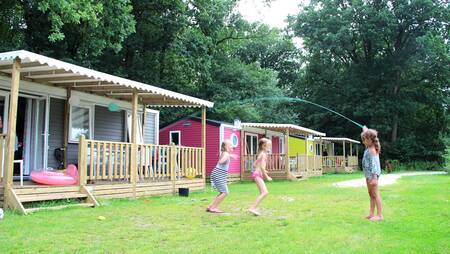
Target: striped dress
219 176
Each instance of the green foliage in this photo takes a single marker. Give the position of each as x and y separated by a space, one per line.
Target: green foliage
76 31
382 63
419 166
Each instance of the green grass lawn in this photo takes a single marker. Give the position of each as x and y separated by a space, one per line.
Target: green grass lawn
298 217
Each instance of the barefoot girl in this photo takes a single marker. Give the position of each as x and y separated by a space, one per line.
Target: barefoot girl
372 171
219 175
259 172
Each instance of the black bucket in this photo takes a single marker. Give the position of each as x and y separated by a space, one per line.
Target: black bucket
184 192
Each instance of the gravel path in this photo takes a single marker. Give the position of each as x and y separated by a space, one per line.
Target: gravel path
384 179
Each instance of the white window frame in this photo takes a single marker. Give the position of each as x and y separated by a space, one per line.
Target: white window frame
251 145
179 137
5 111
140 133
231 138
91 122
281 145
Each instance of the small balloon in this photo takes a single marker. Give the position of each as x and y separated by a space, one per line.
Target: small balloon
113 107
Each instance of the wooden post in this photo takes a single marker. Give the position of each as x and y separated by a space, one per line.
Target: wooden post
351 149
172 166
321 153
306 152
286 154
357 157
314 155
82 158
204 143
133 161
66 124
343 149
8 168
243 149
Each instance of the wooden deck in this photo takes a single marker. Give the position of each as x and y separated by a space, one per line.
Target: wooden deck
88 195
117 190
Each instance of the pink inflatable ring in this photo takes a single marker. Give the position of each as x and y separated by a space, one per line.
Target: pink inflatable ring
56 178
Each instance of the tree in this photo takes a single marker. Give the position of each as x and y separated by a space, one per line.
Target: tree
76 31
384 63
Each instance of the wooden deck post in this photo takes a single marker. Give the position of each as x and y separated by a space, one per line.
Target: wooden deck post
321 153
243 149
286 144
11 133
66 124
343 149
172 166
357 157
204 144
306 153
133 161
82 165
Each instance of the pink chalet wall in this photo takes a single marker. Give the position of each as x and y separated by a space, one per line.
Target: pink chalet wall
191 135
235 164
275 145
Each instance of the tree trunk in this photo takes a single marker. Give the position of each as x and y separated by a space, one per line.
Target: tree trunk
395 120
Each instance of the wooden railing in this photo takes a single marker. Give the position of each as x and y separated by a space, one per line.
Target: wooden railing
333 161
2 154
352 161
275 162
107 160
158 161
303 162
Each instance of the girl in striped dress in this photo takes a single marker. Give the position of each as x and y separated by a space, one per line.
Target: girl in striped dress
219 175
372 171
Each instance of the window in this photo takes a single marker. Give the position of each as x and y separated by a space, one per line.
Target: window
139 137
175 137
80 123
234 140
311 148
281 145
251 143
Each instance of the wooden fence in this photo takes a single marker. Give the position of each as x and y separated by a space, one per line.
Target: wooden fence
333 161
106 160
275 162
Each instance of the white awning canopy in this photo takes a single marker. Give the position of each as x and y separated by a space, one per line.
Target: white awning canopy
336 139
45 70
293 129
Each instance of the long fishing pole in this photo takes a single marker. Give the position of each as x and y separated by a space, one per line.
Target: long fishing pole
289 99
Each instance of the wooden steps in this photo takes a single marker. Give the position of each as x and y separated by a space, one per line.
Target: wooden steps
26 194
45 197
32 210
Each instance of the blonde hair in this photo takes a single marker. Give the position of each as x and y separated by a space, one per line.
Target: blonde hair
372 135
224 145
262 142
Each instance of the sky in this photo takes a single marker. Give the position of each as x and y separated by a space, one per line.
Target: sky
274 15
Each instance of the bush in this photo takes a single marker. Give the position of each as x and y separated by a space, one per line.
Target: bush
419 166
391 165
